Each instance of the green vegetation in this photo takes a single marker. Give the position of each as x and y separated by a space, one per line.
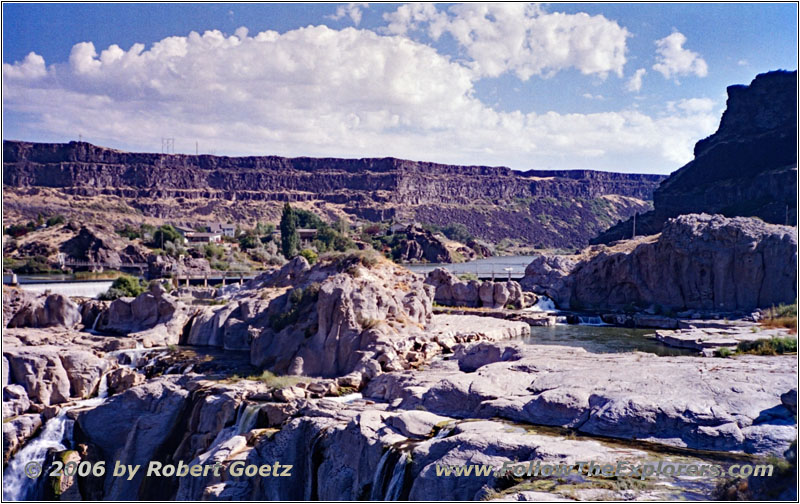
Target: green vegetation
300 300
468 276
124 286
278 382
36 265
17 230
213 251
290 240
129 232
771 346
310 255
55 220
166 234
783 315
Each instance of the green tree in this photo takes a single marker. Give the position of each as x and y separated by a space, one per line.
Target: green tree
166 234
290 240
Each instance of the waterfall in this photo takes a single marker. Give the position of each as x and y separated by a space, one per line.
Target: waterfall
16 485
398 478
248 416
543 304
70 289
591 321
390 475
346 399
380 477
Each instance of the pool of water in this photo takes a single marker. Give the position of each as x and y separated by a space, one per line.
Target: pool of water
602 339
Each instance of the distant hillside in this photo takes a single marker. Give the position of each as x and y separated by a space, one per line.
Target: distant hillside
747 168
532 208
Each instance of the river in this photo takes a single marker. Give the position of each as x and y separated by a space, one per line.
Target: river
500 266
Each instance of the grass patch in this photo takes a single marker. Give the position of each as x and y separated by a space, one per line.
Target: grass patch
278 382
781 316
771 346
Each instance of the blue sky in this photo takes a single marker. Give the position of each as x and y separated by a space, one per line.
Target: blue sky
527 86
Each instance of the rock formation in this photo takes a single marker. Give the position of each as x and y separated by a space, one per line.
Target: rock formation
701 262
450 291
747 168
45 311
537 208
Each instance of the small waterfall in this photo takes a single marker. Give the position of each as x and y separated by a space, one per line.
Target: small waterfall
16 485
380 476
347 398
543 304
590 321
443 432
248 416
390 476
398 478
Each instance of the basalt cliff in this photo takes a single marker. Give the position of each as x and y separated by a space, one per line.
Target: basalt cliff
533 208
747 168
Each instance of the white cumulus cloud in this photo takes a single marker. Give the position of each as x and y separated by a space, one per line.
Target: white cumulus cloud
634 84
317 91
351 10
673 60
521 38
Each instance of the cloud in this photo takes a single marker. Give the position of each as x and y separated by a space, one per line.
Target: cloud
673 60
521 38
316 91
351 10
590 96
634 84
691 105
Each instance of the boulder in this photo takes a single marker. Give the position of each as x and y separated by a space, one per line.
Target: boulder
40 371
120 380
15 401
84 370
452 291
161 315
131 428
54 310
417 424
17 431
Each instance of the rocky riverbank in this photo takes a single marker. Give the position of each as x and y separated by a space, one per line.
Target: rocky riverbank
344 371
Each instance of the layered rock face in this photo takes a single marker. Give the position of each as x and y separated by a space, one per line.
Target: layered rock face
493 202
701 262
450 291
747 168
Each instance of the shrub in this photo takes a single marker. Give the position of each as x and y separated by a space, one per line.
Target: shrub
213 251
124 286
310 255
458 232
771 346
56 220
166 234
723 352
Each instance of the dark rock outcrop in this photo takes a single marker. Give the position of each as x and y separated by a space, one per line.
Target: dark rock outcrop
492 202
700 262
97 244
747 168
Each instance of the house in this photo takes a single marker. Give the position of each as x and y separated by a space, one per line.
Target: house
195 237
306 235
224 229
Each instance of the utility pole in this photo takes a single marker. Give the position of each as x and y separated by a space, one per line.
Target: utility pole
634 225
